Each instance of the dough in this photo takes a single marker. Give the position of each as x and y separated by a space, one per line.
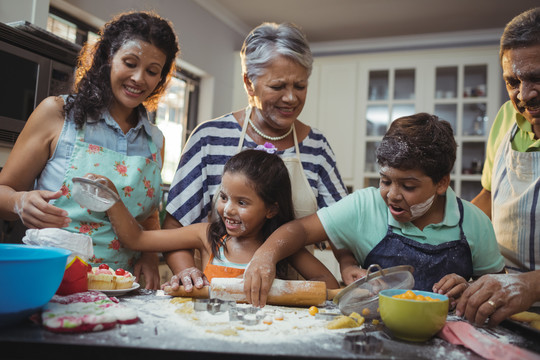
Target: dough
525 316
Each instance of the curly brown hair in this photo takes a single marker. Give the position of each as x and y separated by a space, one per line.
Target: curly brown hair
421 141
92 88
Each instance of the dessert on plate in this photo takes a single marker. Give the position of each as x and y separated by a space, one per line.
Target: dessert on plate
105 278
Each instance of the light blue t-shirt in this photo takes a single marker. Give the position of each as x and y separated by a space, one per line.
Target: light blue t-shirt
360 221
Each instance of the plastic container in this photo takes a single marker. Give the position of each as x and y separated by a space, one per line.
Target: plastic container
29 277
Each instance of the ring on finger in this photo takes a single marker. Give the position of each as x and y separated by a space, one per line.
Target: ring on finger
492 303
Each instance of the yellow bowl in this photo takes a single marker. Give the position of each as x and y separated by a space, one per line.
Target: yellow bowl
413 320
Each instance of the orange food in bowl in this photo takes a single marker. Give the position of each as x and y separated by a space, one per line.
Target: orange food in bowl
410 295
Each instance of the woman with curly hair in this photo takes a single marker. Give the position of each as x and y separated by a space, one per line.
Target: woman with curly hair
102 127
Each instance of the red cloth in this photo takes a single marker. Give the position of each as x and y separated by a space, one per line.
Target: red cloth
463 333
75 277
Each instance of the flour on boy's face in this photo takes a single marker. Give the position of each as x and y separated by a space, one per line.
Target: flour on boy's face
408 194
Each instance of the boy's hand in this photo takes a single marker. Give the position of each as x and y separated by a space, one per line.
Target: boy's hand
451 285
351 273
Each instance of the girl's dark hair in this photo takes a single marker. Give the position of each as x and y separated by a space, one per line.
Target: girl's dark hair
268 176
92 86
419 141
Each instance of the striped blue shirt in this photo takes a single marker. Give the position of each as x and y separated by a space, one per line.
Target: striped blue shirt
213 142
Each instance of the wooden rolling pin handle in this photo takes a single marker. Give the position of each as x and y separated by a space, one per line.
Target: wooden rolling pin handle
331 293
202 293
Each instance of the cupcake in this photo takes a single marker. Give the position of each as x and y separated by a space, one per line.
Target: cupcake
124 279
101 278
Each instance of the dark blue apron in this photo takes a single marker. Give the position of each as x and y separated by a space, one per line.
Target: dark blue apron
430 262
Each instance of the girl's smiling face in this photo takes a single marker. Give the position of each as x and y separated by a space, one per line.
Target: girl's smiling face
135 72
409 194
242 210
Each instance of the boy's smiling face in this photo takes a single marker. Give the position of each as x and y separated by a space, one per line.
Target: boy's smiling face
409 194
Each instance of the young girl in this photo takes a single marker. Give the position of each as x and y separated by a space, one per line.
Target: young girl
255 199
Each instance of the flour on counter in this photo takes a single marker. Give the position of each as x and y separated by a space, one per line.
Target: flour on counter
288 323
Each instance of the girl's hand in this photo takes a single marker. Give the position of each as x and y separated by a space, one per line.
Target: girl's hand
35 211
148 265
188 278
451 285
351 273
102 179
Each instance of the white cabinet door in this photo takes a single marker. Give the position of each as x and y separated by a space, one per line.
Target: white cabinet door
352 99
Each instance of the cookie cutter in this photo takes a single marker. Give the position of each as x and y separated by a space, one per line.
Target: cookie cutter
213 306
361 342
326 316
247 315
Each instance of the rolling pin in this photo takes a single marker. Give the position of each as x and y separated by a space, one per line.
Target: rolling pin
282 292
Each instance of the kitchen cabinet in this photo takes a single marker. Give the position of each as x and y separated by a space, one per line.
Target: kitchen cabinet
352 99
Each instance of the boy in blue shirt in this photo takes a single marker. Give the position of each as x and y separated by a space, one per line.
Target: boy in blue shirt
414 218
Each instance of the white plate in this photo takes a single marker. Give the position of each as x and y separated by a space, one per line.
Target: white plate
119 292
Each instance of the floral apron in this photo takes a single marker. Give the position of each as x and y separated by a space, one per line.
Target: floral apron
516 205
137 180
431 262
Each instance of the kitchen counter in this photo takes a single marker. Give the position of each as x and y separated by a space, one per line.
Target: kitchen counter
164 333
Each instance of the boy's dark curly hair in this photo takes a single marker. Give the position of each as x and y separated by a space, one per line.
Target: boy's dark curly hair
92 87
419 141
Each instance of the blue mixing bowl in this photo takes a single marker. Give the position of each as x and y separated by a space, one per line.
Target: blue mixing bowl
29 278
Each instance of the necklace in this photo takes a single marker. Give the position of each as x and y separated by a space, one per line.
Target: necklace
271 138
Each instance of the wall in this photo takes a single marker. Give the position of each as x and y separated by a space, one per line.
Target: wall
33 11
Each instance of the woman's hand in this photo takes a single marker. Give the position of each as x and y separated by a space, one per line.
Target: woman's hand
148 265
35 212
187 278
497 296
451 285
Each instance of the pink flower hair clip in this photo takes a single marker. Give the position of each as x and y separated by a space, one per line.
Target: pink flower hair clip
268 147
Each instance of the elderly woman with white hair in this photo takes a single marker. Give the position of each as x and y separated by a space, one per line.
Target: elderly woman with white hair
276 64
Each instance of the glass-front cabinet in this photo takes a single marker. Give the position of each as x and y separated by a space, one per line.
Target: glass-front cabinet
462 86
392 94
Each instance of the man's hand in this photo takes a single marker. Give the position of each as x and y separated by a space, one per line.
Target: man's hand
497 296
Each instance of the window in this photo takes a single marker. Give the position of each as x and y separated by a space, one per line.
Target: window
70 28
63 28
176 118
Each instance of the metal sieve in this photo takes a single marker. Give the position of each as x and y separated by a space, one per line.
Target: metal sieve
362 295
92 194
